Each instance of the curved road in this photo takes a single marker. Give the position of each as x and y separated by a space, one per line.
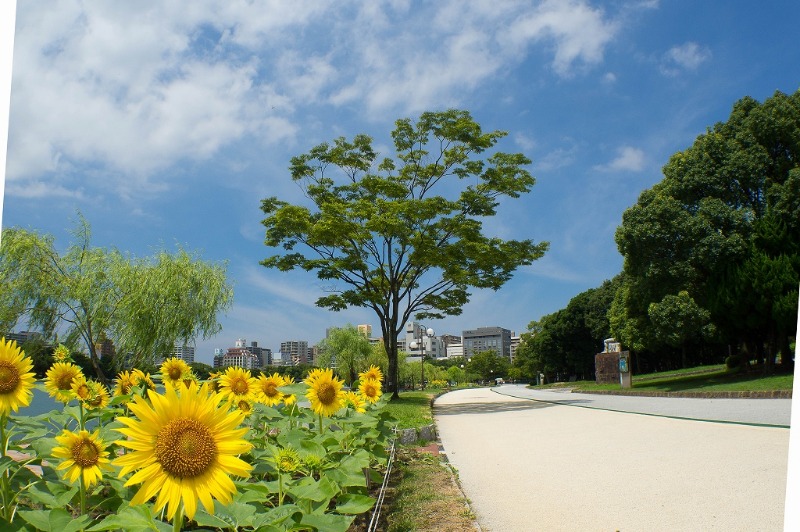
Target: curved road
529 461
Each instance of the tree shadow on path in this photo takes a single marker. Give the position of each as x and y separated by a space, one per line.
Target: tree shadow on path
487 408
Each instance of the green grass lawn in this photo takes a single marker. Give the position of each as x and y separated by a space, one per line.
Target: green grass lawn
412 409
700 379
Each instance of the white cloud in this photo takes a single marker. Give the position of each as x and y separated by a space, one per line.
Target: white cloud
578 32
629 159
688 56
131 91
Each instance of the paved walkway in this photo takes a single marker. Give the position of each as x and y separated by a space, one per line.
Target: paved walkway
532 465
756 411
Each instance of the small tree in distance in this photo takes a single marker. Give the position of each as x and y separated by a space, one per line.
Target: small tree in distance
376 233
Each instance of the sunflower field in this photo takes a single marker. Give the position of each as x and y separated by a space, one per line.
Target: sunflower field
235 453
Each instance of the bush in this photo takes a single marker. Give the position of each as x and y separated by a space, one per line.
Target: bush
733 362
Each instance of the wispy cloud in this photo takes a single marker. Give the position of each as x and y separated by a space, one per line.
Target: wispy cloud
629 159
688 56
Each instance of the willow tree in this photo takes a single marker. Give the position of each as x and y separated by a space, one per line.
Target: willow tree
381 237
89 294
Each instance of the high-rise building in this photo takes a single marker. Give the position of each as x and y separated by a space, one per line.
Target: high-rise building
184 352
515 340
294 352
365 330
219 354
263 354
495 339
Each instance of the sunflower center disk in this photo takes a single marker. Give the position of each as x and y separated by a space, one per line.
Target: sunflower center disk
239 387
9 377
64 381
175 374
185 448
85 453
326 393
270 390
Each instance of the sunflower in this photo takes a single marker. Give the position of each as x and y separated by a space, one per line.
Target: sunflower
245 406
59 380
354 401
81 389
16 377
287 460
236 384
173 370
213 381
125 383
98 396
289 399
324 392
140 378
184 448
370 389
374 373
84 455
61 354
267 389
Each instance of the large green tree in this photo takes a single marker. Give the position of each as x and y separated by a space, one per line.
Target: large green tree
378 233
716 228
88 294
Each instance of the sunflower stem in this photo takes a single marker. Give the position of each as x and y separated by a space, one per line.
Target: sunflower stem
177 522
83 495
320 422
4 480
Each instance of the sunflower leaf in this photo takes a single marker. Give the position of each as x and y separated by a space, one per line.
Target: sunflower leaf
56 520
327 522
275 516
131 519
354 504
235 513
203 518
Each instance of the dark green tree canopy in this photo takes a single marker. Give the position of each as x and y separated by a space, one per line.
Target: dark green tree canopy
726 204
404 235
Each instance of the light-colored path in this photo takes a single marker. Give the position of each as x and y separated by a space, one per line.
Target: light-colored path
528 465
756 411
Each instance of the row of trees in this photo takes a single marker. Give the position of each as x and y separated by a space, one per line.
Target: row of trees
350 353
711 257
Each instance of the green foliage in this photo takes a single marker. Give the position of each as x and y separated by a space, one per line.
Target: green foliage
89 294
565 342
488 365
721 227
379 236
347 350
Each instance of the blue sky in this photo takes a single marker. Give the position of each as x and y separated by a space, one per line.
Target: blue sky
166 123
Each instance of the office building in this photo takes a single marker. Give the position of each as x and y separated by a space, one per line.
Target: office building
184 352
482 339
294 352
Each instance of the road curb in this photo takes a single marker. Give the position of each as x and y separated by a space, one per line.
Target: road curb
771 394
